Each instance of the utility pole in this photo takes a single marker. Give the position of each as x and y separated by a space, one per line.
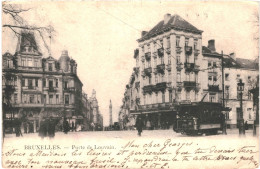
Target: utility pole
224 125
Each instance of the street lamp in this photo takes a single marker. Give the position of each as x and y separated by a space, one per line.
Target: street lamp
240 89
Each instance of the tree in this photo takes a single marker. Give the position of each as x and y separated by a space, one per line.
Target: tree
16 23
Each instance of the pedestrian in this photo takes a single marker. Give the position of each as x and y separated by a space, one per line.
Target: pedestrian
25 127
72 126
17 124
43 128
66 126
51 128
139 125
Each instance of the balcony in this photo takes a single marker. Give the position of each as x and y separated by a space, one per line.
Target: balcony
148 71
148 89
169 67
189 66
178 49
189 84
160 52
179 66
157 106
188 50
148 55
136 53
160 68
52 90
213 88
161 86
69 89
196 52
136 70
137 85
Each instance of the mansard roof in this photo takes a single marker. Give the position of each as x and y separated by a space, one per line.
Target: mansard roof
175 22
8 55
239 63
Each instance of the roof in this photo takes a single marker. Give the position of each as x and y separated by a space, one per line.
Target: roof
176 22
240 63
27 39
7 55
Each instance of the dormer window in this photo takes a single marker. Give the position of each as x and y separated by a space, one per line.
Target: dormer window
36 63
186 41
50 66
177 41
23 62
9 63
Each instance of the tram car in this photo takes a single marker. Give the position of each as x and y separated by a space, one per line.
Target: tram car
199 119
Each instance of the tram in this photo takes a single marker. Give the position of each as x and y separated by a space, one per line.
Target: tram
199 119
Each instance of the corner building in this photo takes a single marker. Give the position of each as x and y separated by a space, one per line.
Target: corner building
41 87
167 73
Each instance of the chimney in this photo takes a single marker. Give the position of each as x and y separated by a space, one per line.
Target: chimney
143 33
233 55
167 17
211 45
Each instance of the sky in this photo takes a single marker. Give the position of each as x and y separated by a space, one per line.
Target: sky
101 36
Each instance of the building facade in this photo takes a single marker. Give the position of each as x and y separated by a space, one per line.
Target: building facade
35 87
173 70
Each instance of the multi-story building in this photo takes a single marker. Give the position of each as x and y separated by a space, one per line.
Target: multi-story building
237 69
174 70
37 87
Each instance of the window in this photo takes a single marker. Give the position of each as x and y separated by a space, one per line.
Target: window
50 66
162 60
30 86
249 95
51 99
57 99
249 78
161 43
150 79
170 96
168 42
212 97
36 82
44 99
162 78
178 59
169 76
23 82
196 77
39 99
178 41
163 97
9 63
24 98
36 63
149 63
67 99
50 84
143 49
214 78
186 41
227 77
30 62
15 81
144 100
209 64
156 78
214 64
23 62
44 82
66 84
195 44
169 59
15 98
31 98
178 96
238 77
57 82
187 95
155 61
148 48
155 46
178 76
226 92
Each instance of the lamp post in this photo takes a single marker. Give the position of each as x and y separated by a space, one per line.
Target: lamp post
240 89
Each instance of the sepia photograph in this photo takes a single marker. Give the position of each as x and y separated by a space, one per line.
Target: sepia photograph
130 84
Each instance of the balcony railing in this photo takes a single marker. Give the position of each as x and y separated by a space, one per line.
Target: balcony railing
188 50
160 52
189 84
148 55
161 86
157 106
52 89
69 89
31 87
160 68
148 89
148 71
178 49
213 88
179 66
189 66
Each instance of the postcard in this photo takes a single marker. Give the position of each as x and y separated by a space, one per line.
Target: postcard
130 84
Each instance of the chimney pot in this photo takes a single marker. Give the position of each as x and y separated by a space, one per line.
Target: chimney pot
167 17
211 45
233 55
